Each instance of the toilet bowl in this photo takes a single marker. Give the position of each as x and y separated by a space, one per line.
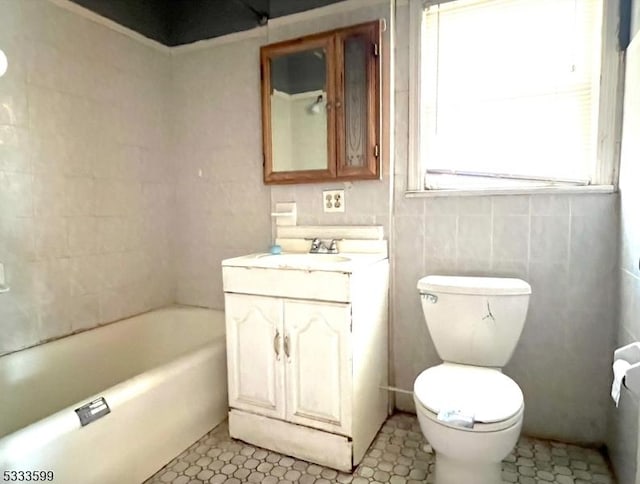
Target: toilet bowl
468 410
493 405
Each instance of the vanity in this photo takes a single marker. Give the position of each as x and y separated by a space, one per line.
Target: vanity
307 333
307 345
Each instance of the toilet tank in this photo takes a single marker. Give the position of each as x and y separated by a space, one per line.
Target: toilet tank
474 320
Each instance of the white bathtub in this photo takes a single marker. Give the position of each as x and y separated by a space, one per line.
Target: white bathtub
163 374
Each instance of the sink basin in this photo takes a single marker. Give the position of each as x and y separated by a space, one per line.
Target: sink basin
345 262
304 259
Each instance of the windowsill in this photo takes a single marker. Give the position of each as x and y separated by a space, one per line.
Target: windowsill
472 192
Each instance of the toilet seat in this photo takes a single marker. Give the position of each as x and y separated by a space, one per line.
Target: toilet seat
493 399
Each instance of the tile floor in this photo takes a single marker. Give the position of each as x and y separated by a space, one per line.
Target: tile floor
396 456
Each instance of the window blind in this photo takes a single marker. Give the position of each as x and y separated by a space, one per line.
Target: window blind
510 88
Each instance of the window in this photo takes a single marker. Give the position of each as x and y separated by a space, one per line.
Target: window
509 95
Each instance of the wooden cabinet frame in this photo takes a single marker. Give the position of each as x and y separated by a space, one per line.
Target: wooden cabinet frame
333 42
371 170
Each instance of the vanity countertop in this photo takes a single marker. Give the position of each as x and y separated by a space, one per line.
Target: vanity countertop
343 262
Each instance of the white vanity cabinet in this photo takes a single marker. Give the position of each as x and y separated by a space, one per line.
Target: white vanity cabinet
305 372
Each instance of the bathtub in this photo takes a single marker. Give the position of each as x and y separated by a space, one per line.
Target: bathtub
162 374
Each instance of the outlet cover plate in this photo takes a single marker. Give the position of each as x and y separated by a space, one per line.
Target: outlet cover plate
333 200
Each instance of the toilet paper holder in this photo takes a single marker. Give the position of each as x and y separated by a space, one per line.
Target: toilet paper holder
631 354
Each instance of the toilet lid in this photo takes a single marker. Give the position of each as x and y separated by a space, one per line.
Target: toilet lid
485 394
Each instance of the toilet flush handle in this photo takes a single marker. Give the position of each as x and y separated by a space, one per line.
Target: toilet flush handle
430 298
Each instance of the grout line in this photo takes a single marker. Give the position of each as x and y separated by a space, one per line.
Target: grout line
491 240
529 220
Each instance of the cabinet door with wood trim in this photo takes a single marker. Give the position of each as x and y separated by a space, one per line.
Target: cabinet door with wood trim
254 354
318 365
358 103
321 106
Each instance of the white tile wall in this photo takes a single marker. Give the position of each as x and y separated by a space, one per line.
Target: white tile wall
572 311
565 246
86 183
623 439
223 206
105 138
558 243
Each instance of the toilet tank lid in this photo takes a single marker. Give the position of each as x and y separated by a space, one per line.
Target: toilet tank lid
489 286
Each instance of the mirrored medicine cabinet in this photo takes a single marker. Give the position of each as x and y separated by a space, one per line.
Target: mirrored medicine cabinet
321 106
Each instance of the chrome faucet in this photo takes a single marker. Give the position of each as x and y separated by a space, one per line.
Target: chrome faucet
319 247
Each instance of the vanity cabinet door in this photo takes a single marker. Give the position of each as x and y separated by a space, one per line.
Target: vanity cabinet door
254 354
318 365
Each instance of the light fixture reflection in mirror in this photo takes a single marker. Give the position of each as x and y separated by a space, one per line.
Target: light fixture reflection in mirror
316 107
3 63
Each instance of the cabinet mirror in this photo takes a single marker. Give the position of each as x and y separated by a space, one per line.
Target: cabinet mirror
321 106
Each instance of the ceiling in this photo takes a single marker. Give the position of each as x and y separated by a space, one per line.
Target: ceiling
177 22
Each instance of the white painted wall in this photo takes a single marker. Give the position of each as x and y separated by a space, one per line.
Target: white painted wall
86 183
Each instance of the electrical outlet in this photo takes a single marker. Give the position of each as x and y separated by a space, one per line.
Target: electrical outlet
333 200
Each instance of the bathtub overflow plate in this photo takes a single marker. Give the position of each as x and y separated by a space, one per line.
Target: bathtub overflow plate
92 411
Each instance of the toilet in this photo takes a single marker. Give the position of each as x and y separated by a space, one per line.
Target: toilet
468 410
